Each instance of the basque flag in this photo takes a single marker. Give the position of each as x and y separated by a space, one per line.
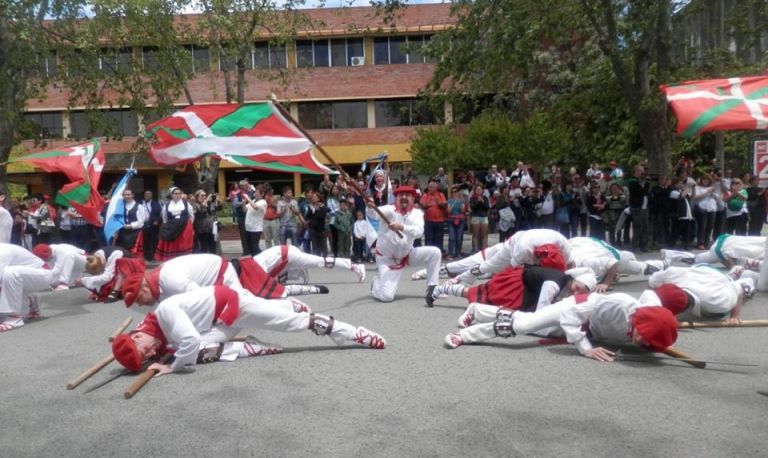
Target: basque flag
115 217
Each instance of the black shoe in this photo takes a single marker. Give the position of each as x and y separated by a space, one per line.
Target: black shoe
649 270
322 289
114 296
430 299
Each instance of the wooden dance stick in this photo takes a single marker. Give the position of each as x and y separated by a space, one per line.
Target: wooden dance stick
144 378
722 324
120 330
684 357
90 372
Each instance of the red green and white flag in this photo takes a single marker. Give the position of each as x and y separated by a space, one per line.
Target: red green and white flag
84 198
85 160
254 135
82 164
719 104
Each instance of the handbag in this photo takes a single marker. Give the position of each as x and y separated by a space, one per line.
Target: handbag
562 216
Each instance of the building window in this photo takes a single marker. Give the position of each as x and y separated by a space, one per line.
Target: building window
150 55
334 52
201 58
47 65
403 112
228 59
116 60
45 124
333 115
400 50
110 123
267 55
347 52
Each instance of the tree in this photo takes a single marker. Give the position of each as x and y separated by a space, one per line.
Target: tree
22 44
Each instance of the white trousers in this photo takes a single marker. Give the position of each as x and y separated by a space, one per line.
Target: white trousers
523 322
20 282
272 315
70 267
385 285
297 260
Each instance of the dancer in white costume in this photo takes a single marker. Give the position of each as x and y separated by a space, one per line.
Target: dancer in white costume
729 250
394 252
617 318
701 292
607 262
195 322
543 247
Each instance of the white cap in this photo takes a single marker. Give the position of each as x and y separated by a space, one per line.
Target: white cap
584 275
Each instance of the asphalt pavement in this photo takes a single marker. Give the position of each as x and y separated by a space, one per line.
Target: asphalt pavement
511 397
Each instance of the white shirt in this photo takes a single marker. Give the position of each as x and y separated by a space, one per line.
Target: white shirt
6 225
176 209
97 281
14 255
389 243
193 271
713 291
518 250
67 263
141 214
587 252
609 318
740 247
254 215
704 197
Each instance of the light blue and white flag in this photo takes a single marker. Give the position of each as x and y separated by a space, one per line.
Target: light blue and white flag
115 217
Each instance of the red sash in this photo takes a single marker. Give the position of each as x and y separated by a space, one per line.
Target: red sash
227 305
256 280
222 270
278 269
153 279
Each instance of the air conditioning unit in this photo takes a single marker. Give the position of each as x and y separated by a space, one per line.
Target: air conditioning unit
357 61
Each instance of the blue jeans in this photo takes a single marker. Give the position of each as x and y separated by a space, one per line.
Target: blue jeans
455 238
596 228
433 234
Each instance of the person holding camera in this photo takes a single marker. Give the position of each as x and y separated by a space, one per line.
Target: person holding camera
255 208
205 207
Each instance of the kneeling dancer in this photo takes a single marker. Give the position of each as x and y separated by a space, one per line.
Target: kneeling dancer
193 322
393 252
617 318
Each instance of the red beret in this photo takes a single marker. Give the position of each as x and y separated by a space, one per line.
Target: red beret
549 255
126 353
131 287
406 190
42 251
672 298
657 326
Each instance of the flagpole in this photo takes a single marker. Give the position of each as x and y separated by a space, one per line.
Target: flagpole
343 173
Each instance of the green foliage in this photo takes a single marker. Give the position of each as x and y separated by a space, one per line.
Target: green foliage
434 147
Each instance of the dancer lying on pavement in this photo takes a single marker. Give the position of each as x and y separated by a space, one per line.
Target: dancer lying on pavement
615 318
193 322
525 288
701 292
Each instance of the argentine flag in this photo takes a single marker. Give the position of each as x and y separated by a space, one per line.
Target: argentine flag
115 217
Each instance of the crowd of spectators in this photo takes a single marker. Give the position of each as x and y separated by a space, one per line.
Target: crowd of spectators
687 209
